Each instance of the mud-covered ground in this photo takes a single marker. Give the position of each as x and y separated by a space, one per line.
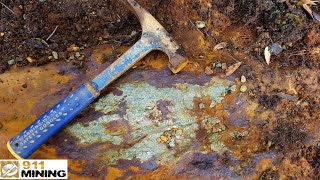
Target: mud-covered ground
285 126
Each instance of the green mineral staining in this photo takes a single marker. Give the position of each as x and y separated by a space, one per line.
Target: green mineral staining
138 98
95 131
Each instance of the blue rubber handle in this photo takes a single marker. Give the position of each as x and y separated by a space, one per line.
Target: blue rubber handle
31 138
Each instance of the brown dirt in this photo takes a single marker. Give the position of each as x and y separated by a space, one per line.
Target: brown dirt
248 26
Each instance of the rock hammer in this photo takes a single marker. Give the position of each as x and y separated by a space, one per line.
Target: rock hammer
154 37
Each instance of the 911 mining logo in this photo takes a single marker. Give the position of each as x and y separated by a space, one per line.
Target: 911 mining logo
34 169
9 169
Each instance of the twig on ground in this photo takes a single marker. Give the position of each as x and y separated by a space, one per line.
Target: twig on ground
55 29
8 8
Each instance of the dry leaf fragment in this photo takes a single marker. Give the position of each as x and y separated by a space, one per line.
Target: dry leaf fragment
220 46
314 15
231 69
310 2
267 55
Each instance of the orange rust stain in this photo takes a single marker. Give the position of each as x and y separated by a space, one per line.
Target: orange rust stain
134 169
76 165
300 170
116 127
241 35
114 173
73 176
156 61
219 56
45 153
163 172
262 166
21 89
101 52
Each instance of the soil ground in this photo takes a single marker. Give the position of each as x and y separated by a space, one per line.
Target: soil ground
290 128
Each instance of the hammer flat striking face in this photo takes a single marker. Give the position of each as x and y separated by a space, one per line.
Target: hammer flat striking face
154 37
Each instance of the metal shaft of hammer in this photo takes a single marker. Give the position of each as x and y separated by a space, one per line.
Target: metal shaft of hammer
154 37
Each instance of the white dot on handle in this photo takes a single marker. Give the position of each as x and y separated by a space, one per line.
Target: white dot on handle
32 141
71 95
58 105
58 120
65 114
38 136
51 125
25 147
45 130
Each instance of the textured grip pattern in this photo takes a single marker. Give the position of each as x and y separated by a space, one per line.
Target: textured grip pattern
31 138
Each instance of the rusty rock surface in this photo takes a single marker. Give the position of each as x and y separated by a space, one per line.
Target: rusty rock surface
150 123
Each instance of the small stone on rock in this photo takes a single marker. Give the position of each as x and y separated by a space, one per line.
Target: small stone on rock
55 55
218 65
30 59
275 49
213 104
224 66
11 62
1 34
243 79
77 54
208 71
200 24
201 106
243 88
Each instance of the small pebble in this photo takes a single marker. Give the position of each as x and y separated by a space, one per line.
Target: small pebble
171 143
71 57
179 132
224 66
233 88
275 48
81 58
77 55
243 79
164 138
30 59
201 106
159 140
243 88
208 71
213 104
73 48
200 24
11 62
1 34
218 65
55 55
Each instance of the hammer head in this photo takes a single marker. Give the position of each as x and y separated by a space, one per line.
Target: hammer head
153 32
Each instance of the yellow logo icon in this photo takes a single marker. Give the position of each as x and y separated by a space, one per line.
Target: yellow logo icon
9 169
